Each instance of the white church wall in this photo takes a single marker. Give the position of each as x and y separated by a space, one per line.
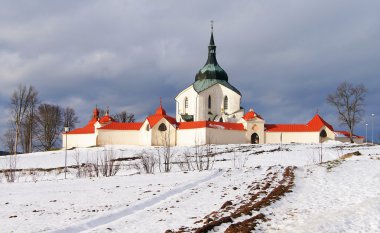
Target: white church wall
191 95
118 137
217 93
79 140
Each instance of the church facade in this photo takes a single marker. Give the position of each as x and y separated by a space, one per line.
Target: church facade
208 111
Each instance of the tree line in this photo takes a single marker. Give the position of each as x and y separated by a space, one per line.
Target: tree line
37 126
34 125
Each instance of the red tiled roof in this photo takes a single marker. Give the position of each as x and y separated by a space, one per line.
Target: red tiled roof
106 119
287 128
154 119
160 110
347 134
314 125
123 126
210 124
88 129
249 115
160 113
317 122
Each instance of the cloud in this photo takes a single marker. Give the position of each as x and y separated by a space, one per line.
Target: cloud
284 56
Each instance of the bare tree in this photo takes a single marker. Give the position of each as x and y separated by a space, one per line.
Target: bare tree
69 118
8 140
29 123
349 102
124 116
20 102
49 120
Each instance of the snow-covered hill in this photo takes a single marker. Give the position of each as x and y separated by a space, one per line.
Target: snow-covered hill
264 188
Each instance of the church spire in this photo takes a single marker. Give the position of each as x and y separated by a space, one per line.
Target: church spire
212 43
212 48
211 70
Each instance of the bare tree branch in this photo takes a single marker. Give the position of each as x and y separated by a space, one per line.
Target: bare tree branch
349 102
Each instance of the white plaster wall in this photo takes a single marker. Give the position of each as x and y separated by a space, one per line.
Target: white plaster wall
191 94
163 138
145 138
255 126
345 139
219 136
289 137
189 137
79 140
118 137
217 93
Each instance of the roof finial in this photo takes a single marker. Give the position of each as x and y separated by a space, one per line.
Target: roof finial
212 26
108 111
160 101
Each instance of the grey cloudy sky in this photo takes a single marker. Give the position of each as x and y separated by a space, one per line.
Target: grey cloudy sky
284 56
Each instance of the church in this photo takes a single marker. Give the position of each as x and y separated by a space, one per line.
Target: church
208 111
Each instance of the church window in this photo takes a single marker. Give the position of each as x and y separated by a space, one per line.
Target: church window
147 127
221 119
225 103
186 102
209 101
162 127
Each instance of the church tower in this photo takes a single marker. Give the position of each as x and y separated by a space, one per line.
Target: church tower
211 97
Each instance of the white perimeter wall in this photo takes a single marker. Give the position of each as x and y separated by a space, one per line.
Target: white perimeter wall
79 140
346 139
118 137
189 137
289 137
201 136
220 136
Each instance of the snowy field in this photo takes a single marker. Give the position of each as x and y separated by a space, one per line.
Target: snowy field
240 188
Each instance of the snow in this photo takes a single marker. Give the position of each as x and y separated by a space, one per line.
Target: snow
335 196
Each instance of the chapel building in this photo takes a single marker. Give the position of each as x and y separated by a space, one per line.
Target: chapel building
208 111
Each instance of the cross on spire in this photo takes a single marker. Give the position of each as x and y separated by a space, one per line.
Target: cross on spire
212 25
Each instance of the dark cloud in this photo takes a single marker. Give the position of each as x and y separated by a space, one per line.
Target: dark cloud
284 56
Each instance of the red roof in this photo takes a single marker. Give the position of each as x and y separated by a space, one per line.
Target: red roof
88 129
160 113
210 124
287 128
249 115
317 122
106 119
123 126
347 134
314 125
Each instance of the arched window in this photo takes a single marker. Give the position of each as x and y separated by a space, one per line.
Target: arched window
323 134
209 101
255 138
162 127
225 103
221 119
147 127
186 102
